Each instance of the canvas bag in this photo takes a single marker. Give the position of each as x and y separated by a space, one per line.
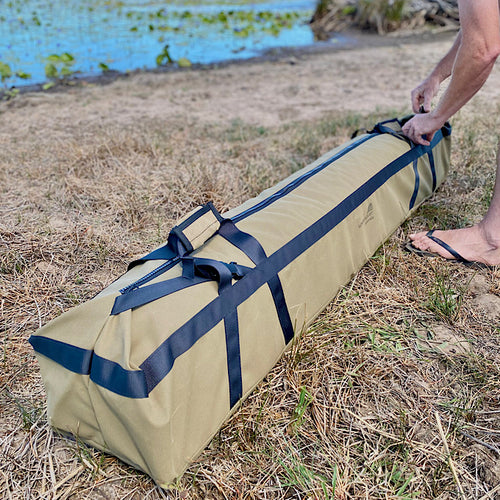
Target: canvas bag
150 368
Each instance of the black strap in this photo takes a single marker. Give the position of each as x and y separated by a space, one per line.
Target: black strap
433 167
140 382
233 355
381 128
435 239
223 273
253 249
163 253
247 243
140 296
417 184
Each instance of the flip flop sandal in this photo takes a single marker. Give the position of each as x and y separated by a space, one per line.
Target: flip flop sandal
458 258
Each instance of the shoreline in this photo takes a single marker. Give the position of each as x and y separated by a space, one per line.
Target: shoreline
376 73
347 40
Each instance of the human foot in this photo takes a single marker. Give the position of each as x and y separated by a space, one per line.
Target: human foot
470 244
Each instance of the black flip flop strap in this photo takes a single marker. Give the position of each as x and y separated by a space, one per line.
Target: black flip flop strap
446 246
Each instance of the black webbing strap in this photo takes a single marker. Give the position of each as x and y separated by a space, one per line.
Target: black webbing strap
417 176
195 271
223 273
382 128
433 168
178 244
140 296
417 184
253 249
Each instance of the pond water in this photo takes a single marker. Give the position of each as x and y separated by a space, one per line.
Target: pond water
42 41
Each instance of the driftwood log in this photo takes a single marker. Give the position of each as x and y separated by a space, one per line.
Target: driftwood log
382 16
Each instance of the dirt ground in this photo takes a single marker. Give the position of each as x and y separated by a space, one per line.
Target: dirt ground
300 86
81 194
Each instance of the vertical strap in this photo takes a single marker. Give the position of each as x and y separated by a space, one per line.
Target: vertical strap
244 241
281 308
433 168
222 273
417 184
253 249
231 330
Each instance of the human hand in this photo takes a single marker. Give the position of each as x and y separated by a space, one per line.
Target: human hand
422 94
424 124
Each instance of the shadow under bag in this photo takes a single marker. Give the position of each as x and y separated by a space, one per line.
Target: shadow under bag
150 368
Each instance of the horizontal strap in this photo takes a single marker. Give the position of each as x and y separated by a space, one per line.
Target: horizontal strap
162 253
105 373
140 296
128 383
75 359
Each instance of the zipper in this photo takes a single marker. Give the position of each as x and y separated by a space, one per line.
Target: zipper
297 182
151 275
264 203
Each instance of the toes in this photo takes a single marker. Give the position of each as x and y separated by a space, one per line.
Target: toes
417 236
421 244
419 240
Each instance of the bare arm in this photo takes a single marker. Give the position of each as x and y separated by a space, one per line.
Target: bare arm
475 53
422 95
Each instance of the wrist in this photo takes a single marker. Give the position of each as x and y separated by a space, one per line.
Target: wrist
438 117
437 77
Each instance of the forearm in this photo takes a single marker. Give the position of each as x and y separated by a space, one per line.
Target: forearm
469 62
470 71
476 52
444 67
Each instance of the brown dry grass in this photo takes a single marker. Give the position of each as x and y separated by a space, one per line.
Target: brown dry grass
393 393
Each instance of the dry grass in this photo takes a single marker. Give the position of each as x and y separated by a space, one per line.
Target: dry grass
393 393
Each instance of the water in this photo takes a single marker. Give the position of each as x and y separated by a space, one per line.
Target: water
89 37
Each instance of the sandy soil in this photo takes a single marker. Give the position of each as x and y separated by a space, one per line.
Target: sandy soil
297 87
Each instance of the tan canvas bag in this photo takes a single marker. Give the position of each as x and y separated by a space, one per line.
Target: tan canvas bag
150 368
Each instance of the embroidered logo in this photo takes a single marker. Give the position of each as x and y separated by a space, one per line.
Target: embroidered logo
369 216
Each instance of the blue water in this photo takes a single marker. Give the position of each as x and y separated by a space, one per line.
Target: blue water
125 35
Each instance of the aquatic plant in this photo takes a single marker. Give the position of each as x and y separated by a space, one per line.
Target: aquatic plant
58 67
32 30
104 67
164 57
6 73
